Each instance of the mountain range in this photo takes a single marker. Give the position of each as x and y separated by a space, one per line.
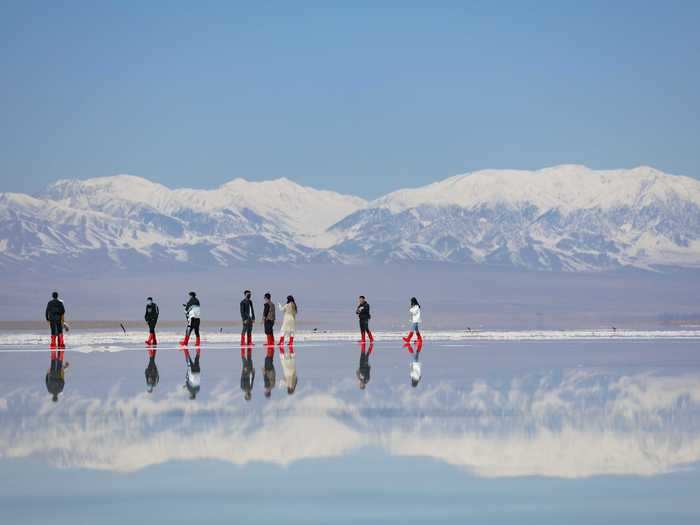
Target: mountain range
563 218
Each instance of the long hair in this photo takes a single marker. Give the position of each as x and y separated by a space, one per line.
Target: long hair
290 299
414 302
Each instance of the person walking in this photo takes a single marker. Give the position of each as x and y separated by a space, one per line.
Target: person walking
415 315
192 312
363 313
269 319
55 312
247 319
151 318
289 321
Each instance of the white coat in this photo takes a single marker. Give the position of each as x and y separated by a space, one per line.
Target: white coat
289 321
415 313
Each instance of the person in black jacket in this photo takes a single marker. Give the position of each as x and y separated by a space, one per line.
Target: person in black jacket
269 319
363 314
55 310
247 319
151 318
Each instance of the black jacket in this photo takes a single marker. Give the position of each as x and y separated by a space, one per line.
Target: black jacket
247 310
152 313
363 311
192 302
55 310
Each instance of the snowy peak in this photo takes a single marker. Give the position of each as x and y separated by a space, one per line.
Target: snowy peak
565 217
565 188
299 209
560 218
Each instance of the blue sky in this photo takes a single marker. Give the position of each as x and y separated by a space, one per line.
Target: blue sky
362 100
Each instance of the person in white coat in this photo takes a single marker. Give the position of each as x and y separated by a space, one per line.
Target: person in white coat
289 320
414 312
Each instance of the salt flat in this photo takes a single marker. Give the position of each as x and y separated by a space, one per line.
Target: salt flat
527 428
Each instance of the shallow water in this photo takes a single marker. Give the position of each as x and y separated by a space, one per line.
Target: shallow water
526 430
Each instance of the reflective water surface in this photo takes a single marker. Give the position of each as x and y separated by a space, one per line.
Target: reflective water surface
505 432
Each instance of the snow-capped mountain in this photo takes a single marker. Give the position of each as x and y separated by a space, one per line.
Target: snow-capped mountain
560 218
125 220
564 218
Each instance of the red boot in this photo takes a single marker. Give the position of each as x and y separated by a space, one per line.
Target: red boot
242 339
185 340
419 338
154 342
198 341
408 337
362 339
149 341
53 342
250 340
291 345
281 341
61 344
371 337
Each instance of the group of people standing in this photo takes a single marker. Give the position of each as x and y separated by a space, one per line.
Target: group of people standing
55 313
55 316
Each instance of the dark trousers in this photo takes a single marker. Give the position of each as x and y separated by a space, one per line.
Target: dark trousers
152 327
268 327
364 325
56 327
247 327
194 326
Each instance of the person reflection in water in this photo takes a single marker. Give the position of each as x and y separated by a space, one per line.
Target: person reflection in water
415 367
289 367
152 376
363 370
192 379
269 376
55 377
247 371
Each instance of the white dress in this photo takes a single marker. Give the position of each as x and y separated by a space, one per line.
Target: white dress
289 321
